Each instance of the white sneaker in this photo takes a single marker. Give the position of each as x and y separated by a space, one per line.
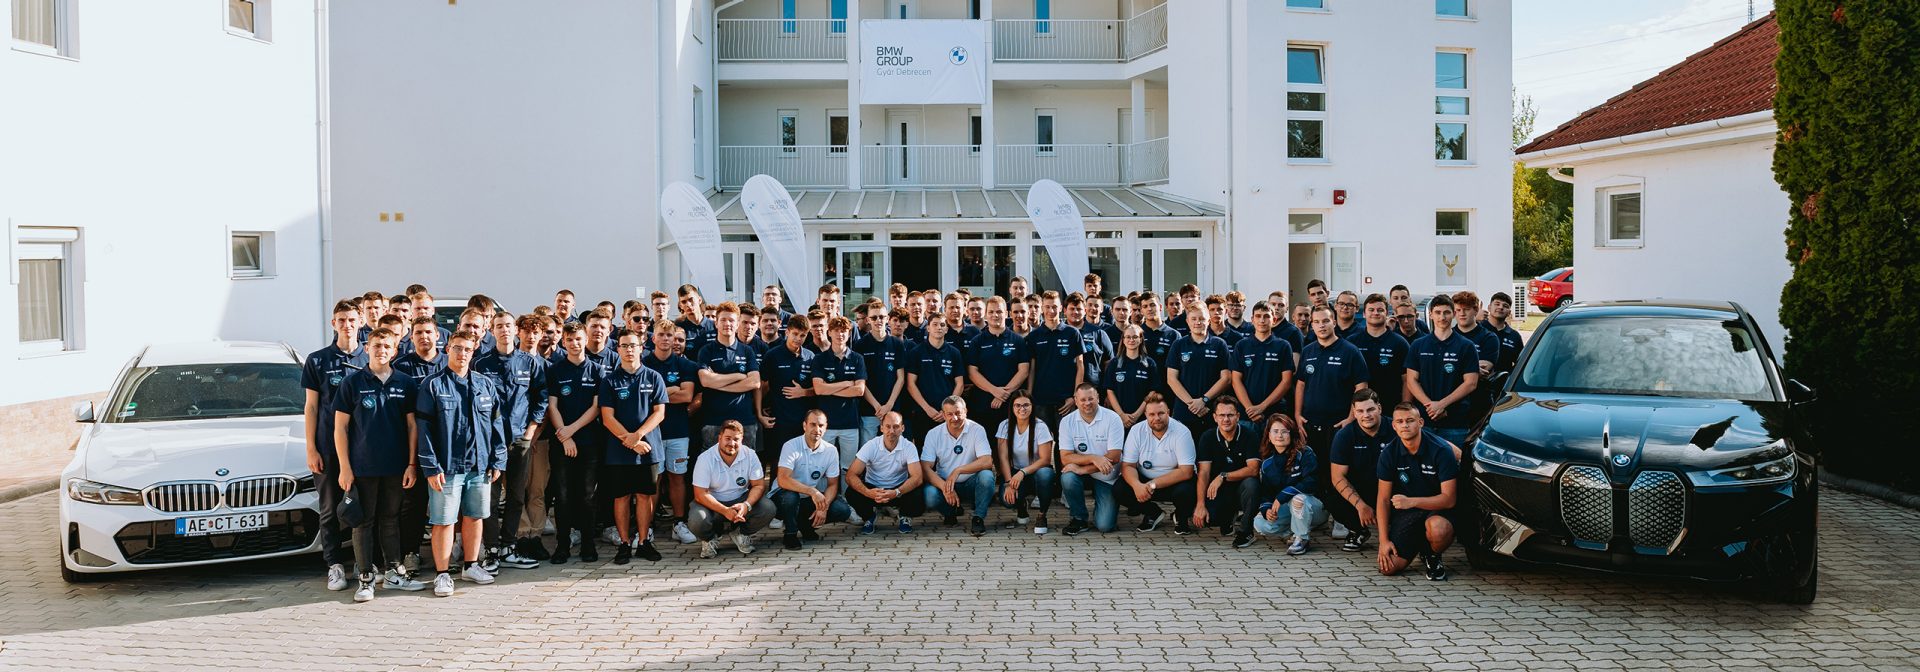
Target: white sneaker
365 592
1339 531
682 534
743 542
573 538
397 580
546 529
1033 503
776 525
709 549
855 520
611 536
336 577
442 585
475 574
516 561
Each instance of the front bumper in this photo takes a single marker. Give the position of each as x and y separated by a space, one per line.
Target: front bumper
98 538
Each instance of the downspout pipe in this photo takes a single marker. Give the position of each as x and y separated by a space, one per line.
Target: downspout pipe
323 130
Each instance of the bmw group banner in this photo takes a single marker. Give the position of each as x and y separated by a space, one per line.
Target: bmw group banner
923 62
1057 220
696 233
770 210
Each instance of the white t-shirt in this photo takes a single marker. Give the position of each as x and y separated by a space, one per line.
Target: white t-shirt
887 468
1017 444
1107 432
1158 456
727 482
946 453
812 467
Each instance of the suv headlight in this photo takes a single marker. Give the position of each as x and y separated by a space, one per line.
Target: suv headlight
83 490
1510 460
1775 464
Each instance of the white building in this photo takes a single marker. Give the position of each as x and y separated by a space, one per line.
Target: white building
1673 188
460 129
159 181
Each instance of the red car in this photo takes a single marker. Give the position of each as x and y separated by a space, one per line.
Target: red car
1552 289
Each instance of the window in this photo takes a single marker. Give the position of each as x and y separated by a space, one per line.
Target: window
1307 4
975 129
1450 107
837 131
48 289
1455 8
837 10
1043 130
789 131
1042 13
789 26
44 26
252 254
973 9
1306 223
1450 223
250 18
1620 213
699 135
1306 104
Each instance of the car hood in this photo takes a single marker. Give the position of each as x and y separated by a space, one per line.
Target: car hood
135 455
1651 432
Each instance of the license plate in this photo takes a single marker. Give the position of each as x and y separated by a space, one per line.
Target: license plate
229 524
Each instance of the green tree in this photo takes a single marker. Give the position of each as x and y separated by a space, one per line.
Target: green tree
1848 156
1542 206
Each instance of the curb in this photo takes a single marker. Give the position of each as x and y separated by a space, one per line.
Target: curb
30 488
1854 485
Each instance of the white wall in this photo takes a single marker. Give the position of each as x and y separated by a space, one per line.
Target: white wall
161 136
1712 220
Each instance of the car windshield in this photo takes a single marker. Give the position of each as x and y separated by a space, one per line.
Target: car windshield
205 391
1660 356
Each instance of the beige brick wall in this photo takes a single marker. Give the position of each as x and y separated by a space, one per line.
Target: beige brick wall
40 428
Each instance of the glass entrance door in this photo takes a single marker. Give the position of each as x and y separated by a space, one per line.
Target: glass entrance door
861 273
1169 259
986 262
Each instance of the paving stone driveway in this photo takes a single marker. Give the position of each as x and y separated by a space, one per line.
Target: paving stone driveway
940 600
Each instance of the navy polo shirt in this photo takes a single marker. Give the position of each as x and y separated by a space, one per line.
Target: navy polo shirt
1228 335
885 359
1510 342
1054 352
717 406
1261 364
1442 367
1198 366
675 370
1484 341
1098 349
1330 373
780 369
914 334
962 338
1227 455
632 396
1358 325
323 372
1116 335
842 412
1285 330
1245 327
1130 380
698 335
1418 474
1157 342
998 358
1386 357
576 387
935 369
1354 447
418 367
376 421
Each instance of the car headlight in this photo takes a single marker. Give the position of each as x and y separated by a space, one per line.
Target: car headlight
83 490
1775 464
1507 459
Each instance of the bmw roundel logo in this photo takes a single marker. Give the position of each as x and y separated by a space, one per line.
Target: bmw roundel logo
1147 464
957 55
739 480
1621 460
221 471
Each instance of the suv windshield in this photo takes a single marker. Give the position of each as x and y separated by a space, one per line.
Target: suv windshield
205 391
1660 356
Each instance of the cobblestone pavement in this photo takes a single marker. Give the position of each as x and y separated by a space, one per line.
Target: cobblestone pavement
941 600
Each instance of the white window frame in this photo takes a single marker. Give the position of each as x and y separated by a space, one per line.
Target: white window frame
1322 9
264 245
66 17
1320 59
1452 236
262 22
699 139
838 113
1603 213
1053 128
52 243
1466 92
779 131
1319 236
1467 16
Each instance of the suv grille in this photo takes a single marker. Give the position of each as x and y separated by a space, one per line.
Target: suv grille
1586 504
201 496
1656 510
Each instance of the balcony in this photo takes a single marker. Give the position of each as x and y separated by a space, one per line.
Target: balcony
948 166
791 40
1081 165
804 166
919 166
1080 40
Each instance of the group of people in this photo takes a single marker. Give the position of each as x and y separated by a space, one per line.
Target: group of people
1268 421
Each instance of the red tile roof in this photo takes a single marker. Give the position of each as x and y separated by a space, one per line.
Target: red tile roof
1730 78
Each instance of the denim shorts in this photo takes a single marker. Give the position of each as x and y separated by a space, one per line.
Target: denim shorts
676 455
463 496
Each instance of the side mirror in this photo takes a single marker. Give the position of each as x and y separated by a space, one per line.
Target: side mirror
83 412
1799 394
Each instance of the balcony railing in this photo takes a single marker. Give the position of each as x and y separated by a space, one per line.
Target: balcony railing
783 39
1070 165
1147 32
919 166
1146 162
1058 40
809 166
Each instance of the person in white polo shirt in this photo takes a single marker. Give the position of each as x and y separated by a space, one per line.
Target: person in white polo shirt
962 466
729 493
887 472
807 483
1090 443
1159 465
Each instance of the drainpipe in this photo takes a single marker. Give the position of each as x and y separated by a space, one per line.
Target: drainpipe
1227 227
324 142
1555 173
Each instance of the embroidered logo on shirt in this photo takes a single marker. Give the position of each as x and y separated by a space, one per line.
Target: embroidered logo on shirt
1119 376
1309 367
367 401
1082 447
1448 367
959 449
816 474
624 393
1247 361
1184 356
1147 464
739 480
334 380
566 390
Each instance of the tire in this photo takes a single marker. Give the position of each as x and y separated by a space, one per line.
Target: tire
71 576
1563 302
1791 560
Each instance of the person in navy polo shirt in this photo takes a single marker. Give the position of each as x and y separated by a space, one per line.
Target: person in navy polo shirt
786 386
1384 351
1158 336
1346 313
373 436
1262 367
1158 465
1356 449
1331 370
1418 485
807 483
936 370
321 375
729 379
1131 376
573 406
1466 324
729 489
1442 372
1059 359
1499 312
1119 317
679 374
771 297
1217 322
1235 307
521 378
1097 348
1197 370
885 357
462 448
839 383
563 302
423 359
1000 363
633 402
694 323
1406 324
1228 457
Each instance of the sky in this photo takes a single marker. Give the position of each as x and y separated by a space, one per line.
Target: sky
1570 56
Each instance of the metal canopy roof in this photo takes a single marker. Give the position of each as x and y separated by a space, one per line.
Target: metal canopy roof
906 204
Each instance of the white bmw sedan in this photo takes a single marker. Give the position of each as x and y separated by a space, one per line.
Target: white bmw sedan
198 457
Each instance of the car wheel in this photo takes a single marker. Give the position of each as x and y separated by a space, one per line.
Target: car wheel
1790 561
1563 302
71 576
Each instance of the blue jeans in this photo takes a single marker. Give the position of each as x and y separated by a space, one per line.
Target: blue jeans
1106 512
1457 436
980 488
462 496
848 441
1040 483
1303 513
870 427
794 507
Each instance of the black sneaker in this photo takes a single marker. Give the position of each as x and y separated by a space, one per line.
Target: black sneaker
559 556
1226 530
1182 528
588 553
979 526
790 542
809 534
648 552
622 554
1150 521
1356 540
949 520
1075 527
1242 540
1435 570
531 547
1018 519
